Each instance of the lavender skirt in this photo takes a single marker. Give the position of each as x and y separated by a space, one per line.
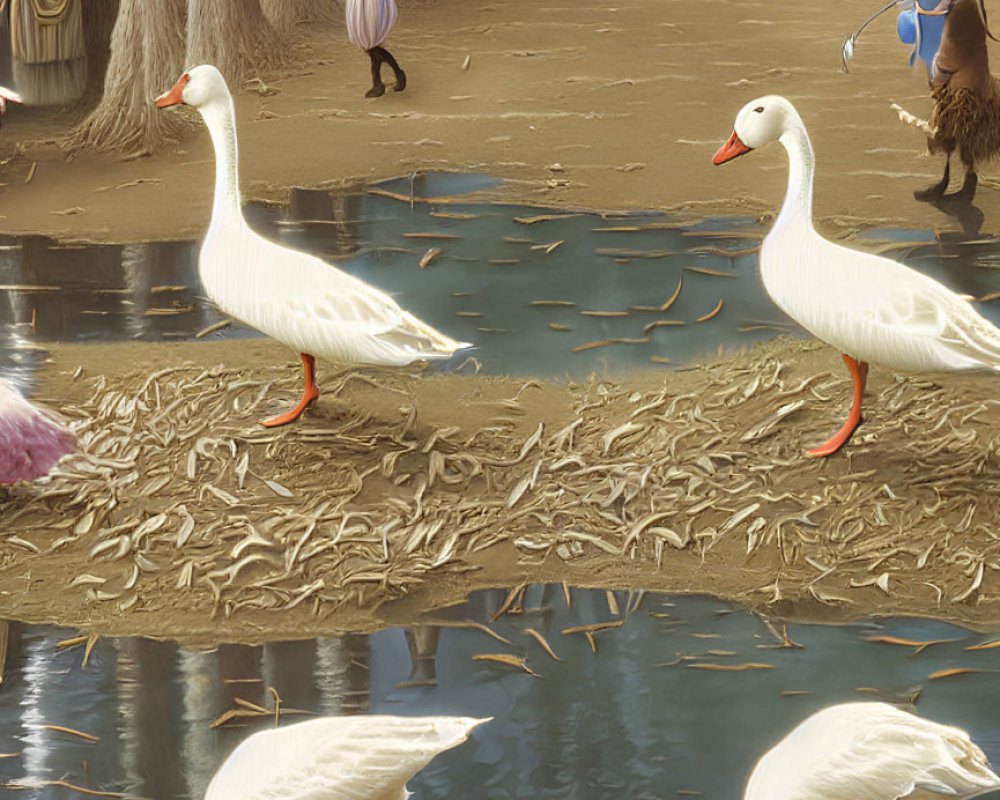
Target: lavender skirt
369 21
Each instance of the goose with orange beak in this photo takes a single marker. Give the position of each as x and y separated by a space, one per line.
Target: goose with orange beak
872 309
296 298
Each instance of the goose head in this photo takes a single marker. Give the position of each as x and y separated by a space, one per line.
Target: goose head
759 122
196 87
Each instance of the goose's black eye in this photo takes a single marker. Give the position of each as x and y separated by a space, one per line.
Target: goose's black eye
759 110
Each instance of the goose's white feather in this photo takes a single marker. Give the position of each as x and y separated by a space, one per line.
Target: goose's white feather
869 751
291 296
869 307
348 758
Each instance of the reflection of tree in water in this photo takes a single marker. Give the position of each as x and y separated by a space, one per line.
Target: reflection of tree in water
18 355
147 291
210 680
964 262
343 675
590 727
146 679
324 676
422 641
11 731
323 222
56 689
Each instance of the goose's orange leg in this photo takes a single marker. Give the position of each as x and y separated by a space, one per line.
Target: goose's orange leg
859 372
310 393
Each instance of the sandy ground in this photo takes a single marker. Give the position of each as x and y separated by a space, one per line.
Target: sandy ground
166 524
631 100
400 492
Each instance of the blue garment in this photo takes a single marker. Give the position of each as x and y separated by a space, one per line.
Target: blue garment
921 30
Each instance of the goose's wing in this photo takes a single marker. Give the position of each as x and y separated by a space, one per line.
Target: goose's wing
869 751
876 309
933 317
31 442
363 757
358 322
317 308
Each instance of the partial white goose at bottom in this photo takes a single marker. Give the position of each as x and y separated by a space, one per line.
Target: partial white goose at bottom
870 751
348 758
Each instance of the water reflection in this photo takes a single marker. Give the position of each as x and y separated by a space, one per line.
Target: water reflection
636 718
584 272
539 293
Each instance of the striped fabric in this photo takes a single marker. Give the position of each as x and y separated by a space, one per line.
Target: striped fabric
369 21
43 31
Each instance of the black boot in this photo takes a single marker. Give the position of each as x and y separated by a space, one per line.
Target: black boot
378 88
400 75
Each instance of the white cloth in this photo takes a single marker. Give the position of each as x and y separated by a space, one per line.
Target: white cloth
369 21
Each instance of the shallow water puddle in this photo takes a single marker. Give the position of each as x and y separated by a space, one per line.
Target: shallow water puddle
650 714
539 292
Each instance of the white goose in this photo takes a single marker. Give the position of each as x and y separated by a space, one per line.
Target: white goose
869 751
293 297
31 441
337 757
870 308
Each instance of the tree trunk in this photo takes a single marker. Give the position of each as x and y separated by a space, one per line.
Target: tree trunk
234 35
147 57
98 21
286 14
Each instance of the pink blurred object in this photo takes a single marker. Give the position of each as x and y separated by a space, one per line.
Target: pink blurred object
369 21
31 441
8 94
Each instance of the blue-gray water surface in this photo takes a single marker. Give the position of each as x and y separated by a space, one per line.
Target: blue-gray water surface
637 718
537 292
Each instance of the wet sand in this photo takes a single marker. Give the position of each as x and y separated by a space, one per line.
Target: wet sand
390 498
550 91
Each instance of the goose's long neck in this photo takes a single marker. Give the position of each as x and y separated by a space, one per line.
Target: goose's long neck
801 165
220 117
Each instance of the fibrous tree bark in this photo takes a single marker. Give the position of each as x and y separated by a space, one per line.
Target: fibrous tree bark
147 57
285 14
98 22
234 35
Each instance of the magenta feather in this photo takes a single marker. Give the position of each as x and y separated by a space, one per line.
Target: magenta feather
369 21
31 441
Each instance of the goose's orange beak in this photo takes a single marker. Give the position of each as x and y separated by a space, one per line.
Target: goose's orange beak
176 95
730 150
